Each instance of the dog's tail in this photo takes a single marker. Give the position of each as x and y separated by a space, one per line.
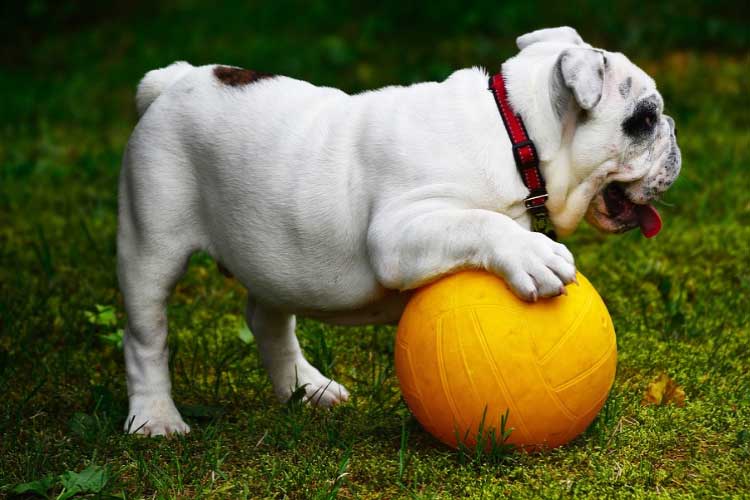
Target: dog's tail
156 81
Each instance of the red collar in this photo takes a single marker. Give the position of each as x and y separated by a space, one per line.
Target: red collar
527 160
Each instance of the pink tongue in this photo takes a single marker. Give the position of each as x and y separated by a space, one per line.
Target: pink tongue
649 220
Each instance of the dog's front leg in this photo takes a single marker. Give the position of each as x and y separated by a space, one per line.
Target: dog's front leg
414 246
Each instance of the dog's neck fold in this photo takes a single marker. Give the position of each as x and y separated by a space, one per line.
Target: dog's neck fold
529 95
530 89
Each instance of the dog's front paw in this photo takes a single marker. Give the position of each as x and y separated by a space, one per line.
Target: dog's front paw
535 266
154 417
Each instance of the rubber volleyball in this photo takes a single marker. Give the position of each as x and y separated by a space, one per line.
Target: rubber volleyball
467 346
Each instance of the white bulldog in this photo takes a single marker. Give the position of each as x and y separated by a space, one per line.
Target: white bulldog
334 206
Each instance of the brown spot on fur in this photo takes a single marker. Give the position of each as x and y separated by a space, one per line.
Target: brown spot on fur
238 76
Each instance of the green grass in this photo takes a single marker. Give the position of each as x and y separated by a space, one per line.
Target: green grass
680 302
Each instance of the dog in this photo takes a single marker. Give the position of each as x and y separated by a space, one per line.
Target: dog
335 206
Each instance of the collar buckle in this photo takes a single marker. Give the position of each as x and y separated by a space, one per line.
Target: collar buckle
526 158
535 200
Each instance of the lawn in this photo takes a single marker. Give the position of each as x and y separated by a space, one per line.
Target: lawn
680 302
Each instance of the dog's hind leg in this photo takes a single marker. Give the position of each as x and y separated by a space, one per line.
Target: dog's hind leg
283 359
146 280
152 254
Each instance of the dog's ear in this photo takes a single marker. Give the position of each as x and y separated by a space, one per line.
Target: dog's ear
581 72
563 34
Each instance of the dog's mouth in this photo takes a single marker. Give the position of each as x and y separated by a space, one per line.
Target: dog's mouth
612 211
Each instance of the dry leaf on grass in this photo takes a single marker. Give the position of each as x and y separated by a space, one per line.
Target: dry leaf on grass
663 390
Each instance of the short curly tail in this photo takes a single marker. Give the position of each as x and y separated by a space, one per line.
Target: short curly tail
156 81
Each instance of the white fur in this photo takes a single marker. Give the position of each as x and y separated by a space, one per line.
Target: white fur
562 34
331 205
156 81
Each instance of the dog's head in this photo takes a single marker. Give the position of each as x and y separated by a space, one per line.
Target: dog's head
608 147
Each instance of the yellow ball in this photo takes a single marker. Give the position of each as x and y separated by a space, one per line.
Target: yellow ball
466 343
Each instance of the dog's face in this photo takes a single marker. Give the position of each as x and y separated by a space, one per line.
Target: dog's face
627 136
613 129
